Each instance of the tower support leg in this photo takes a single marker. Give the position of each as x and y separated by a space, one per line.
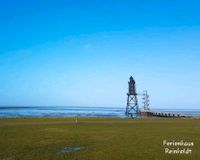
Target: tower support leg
132 108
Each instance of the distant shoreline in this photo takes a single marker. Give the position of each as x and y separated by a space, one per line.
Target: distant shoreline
93 117
72 111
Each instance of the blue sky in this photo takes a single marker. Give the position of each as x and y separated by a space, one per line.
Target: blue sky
75 52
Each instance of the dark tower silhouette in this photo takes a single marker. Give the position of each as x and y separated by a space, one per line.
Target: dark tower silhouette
132 101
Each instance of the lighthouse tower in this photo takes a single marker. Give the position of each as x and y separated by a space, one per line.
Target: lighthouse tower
132 101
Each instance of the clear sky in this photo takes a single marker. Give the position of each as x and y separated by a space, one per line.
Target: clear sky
82 52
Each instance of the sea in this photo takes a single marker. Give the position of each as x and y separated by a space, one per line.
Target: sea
81 111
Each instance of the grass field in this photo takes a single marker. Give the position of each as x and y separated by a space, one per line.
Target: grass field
98 138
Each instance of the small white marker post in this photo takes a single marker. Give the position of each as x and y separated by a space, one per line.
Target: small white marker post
76 119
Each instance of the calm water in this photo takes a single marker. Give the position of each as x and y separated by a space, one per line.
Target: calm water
70 111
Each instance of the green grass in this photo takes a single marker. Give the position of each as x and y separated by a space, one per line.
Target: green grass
100 138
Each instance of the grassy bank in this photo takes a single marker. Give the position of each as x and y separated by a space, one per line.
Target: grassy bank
99 138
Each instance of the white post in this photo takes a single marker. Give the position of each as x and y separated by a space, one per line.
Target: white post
76 119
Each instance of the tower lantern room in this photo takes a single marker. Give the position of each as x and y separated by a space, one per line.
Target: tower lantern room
131 83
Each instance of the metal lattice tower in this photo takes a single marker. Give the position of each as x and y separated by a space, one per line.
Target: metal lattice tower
132 101
145 100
